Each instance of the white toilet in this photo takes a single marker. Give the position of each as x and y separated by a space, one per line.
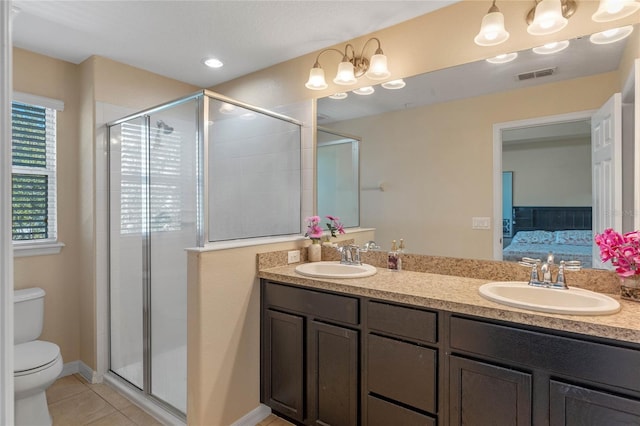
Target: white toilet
37 364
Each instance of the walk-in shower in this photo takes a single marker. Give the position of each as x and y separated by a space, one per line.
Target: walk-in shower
180 175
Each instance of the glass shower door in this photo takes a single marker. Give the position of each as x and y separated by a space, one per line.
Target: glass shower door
172 192
127 247
153 166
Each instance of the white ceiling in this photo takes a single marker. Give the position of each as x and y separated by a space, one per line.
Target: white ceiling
170 37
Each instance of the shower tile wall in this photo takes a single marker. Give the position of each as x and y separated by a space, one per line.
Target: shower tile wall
254 176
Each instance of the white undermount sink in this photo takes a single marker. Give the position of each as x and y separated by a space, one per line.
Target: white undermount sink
335 270
574 301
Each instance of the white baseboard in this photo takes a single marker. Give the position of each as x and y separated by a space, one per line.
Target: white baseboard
253 417
83 369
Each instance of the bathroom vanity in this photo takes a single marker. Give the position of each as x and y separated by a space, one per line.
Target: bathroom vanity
414 348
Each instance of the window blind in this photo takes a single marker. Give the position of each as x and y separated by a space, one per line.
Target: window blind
162 173
34 177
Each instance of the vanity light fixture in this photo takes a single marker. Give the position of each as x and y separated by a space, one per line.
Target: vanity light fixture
612 35
492 31
394 84
610 10
503 59
339 96
550 16
366 90
212 62
550 48
352 67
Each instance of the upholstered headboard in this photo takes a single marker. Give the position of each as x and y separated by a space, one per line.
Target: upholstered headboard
529 218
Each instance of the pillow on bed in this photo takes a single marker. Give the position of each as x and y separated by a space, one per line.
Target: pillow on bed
533 237
575 237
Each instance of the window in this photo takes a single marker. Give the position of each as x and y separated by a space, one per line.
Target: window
33 177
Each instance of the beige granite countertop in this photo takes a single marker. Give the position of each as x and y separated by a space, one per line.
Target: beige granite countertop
460 295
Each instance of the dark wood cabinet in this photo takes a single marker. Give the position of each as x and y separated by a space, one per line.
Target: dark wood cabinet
310 364
518 375
327 362
333 375
283 362
484 394
572 405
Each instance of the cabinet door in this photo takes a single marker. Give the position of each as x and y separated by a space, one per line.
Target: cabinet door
283 363
333 375
484 394
574 405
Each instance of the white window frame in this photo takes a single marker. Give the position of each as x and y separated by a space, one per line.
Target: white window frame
49 245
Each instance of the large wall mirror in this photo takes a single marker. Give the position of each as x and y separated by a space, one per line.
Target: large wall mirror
432 143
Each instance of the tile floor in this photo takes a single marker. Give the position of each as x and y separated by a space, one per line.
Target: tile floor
274 420
74 402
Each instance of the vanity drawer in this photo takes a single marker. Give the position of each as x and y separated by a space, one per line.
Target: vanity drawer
402 371
313 303
605 363
402 321
383 413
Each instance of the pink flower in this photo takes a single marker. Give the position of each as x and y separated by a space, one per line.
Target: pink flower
315 231
622 250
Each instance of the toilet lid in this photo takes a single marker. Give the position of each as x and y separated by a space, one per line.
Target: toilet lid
31 355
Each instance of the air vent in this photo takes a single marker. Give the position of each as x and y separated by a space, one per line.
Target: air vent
536 74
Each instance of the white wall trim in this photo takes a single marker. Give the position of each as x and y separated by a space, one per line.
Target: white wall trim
6 245
81 368
498 128
254 416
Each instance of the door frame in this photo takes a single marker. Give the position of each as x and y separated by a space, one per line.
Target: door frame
498 128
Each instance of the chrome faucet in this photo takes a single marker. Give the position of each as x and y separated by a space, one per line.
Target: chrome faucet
543 277
349 254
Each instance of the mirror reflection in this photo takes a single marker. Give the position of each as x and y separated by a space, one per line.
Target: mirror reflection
432 143
338 176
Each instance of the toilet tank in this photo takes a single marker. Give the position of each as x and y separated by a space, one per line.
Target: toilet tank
28 314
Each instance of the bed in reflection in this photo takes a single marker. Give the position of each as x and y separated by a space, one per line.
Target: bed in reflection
564 231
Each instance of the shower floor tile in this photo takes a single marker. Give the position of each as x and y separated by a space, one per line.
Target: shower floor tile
73 401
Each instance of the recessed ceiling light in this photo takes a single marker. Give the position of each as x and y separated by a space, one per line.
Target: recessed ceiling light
394 84
549 48
212 62
612 35
339 95
366 90
503 59
226 108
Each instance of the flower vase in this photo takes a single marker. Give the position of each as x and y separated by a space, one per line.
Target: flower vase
630 288
314 252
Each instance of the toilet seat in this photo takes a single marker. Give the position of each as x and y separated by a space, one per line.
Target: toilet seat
35 356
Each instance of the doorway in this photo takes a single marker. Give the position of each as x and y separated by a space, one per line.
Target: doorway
541 154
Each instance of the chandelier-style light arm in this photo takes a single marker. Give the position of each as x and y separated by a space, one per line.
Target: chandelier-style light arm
330 49
378 50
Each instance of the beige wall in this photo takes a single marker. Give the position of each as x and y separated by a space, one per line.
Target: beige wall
224 331
69 278
550 173
437 162
56 274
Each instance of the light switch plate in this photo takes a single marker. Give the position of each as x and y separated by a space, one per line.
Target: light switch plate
481 223
293 256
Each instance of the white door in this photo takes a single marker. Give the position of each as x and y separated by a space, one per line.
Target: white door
606 165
